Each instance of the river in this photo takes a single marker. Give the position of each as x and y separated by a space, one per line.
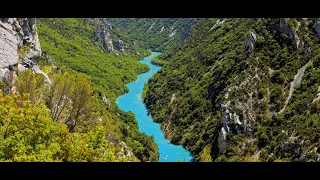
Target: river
132 101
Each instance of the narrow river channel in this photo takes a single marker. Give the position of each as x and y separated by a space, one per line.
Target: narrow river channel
133 102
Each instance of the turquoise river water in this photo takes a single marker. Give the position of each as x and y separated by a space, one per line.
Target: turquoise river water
133 102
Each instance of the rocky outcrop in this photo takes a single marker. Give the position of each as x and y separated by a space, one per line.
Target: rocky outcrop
108 26
119 44
296 81
317 27
105 101
162 29
249 43
107 41
173 33
27 63
103 36
230 124
10 37
13 35
21 68
317 98
173 97
29 28
151 26
94 21
237 117
36 70
291 33
218 23
125 151
225 118
97 35
102 33
222 140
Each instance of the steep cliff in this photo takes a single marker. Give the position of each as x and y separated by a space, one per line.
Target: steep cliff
19 45
112 39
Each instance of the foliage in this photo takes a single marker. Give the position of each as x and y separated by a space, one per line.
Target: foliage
208 64
87 74
31 84
29 134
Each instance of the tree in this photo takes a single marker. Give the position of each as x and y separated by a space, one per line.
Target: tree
69 99
86 147
80 102
278 77
205 154
276 96
262 92
58 95
32 84
263 139
27 132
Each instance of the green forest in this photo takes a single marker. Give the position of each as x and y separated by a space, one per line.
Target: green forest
212 80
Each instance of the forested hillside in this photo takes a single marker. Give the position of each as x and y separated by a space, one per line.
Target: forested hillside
63 105
155 33
225 93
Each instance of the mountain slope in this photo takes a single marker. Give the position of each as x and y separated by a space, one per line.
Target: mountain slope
71 84
222 91
70 43
155 33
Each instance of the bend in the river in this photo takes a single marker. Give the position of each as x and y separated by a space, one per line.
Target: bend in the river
133 102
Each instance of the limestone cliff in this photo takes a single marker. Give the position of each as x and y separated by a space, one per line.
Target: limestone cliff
19 43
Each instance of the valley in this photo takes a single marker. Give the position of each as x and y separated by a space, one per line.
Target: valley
221 90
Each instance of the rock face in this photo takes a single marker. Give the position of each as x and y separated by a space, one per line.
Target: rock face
13 35
108 26
151 26
317 27
10 35
173 97
94 21
102 35
218 23
125 150
222 140
284 28
162 29
107 41
173 33
36 70
249 42
119 44
105 100
29 28
231 124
